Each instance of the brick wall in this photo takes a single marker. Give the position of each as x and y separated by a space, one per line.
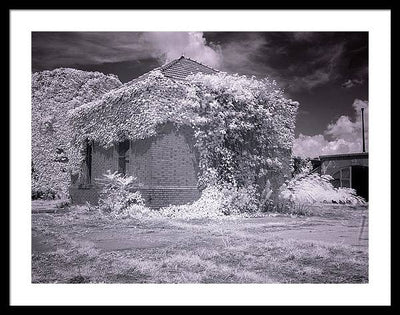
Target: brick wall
165 165
157 197
165 160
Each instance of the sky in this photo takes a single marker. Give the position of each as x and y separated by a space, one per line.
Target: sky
326 72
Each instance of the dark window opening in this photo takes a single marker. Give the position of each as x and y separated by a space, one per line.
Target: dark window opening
355 176
87 171
123 148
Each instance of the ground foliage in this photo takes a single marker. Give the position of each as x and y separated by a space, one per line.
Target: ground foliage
118 193
315 188
80 247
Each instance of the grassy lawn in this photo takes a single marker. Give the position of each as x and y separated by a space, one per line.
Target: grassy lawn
77 247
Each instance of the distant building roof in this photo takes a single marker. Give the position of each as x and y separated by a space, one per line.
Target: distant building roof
344 156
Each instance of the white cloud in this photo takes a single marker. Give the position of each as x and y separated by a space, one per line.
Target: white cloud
347 129
167 46
343 128
342 136
309 146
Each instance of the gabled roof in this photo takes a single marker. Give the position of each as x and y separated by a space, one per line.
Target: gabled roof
179 69
183 67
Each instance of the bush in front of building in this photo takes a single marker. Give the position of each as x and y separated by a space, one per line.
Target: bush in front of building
314 188
217 201
118 194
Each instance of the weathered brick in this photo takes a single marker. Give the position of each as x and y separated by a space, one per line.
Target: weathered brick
165 165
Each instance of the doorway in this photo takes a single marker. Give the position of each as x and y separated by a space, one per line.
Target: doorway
359 176
123 148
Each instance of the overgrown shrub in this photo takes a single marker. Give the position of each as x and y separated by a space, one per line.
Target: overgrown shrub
238 200
247 129
217 201
301 165
315 188
118 193
42 194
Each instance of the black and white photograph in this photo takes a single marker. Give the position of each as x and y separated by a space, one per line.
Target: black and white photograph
200 157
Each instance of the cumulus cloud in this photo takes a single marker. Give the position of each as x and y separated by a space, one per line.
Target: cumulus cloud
314 146
167 46
342 136
347 129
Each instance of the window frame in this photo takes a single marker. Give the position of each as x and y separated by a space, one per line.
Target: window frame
341 178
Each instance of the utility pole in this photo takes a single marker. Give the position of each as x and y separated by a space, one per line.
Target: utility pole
362 121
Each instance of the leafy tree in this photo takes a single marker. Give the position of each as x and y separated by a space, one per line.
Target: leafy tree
53 94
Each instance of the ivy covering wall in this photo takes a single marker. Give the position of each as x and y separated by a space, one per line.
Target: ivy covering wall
53 94
243 127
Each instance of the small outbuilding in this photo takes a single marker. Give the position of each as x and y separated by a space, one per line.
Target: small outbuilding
348 170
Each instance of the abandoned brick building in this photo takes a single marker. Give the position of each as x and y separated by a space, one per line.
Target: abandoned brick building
165 164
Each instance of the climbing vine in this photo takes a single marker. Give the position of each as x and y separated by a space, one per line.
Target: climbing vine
53 94
243 127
